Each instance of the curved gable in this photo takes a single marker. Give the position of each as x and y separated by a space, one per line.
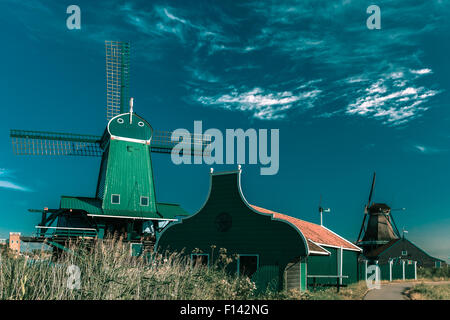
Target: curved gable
226 220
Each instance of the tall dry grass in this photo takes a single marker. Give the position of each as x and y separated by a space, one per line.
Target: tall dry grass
108 271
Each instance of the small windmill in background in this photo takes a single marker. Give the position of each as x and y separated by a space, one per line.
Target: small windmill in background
380 227
322 210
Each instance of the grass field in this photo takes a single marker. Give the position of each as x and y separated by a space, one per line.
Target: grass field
427 291
108 271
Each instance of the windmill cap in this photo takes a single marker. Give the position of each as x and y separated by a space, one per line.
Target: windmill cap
377 207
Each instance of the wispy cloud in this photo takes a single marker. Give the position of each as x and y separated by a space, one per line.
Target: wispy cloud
393 99
7 183
427 149
10 185
228 51
372 73
261 103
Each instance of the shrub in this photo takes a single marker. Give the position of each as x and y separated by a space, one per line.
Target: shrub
442 273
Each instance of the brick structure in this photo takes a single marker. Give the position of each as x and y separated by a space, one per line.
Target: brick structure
14 241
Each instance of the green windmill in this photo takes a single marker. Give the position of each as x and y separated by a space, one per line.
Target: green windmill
125 201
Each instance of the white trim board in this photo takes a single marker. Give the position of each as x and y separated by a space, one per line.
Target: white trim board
128 217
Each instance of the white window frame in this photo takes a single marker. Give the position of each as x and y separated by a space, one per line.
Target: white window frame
115 194
404 252
148 201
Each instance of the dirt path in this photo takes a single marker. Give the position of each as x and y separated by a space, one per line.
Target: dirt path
396 291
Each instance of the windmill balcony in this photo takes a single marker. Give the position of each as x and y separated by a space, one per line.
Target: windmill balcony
64 232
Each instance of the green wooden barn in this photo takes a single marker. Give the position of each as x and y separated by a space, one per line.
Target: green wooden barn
401 249
273 249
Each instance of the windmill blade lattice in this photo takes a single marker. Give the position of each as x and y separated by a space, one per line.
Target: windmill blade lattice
27 142
117 77
162 143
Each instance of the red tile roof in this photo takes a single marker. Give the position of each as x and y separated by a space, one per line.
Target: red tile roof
313 232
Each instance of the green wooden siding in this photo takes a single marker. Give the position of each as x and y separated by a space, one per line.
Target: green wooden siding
409 271
170 211
129 174
350 266
323 265
90 205
397 271
385 271
226 221
361 270
328 265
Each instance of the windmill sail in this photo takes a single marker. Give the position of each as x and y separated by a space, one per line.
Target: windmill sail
117 77
27 142
366 209
162 143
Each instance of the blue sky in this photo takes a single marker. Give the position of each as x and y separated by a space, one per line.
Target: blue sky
347 101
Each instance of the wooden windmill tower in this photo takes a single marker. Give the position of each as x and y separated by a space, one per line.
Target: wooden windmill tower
125 194
380 227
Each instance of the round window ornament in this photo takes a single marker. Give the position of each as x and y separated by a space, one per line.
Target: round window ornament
140 124
120 120
223 222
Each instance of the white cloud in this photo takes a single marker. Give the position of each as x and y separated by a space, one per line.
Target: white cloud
10 185
395 104
421 71
7 184
172 17
262 104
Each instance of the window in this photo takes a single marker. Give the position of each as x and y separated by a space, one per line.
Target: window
404 253
144 201
115 198
247 264
200 259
